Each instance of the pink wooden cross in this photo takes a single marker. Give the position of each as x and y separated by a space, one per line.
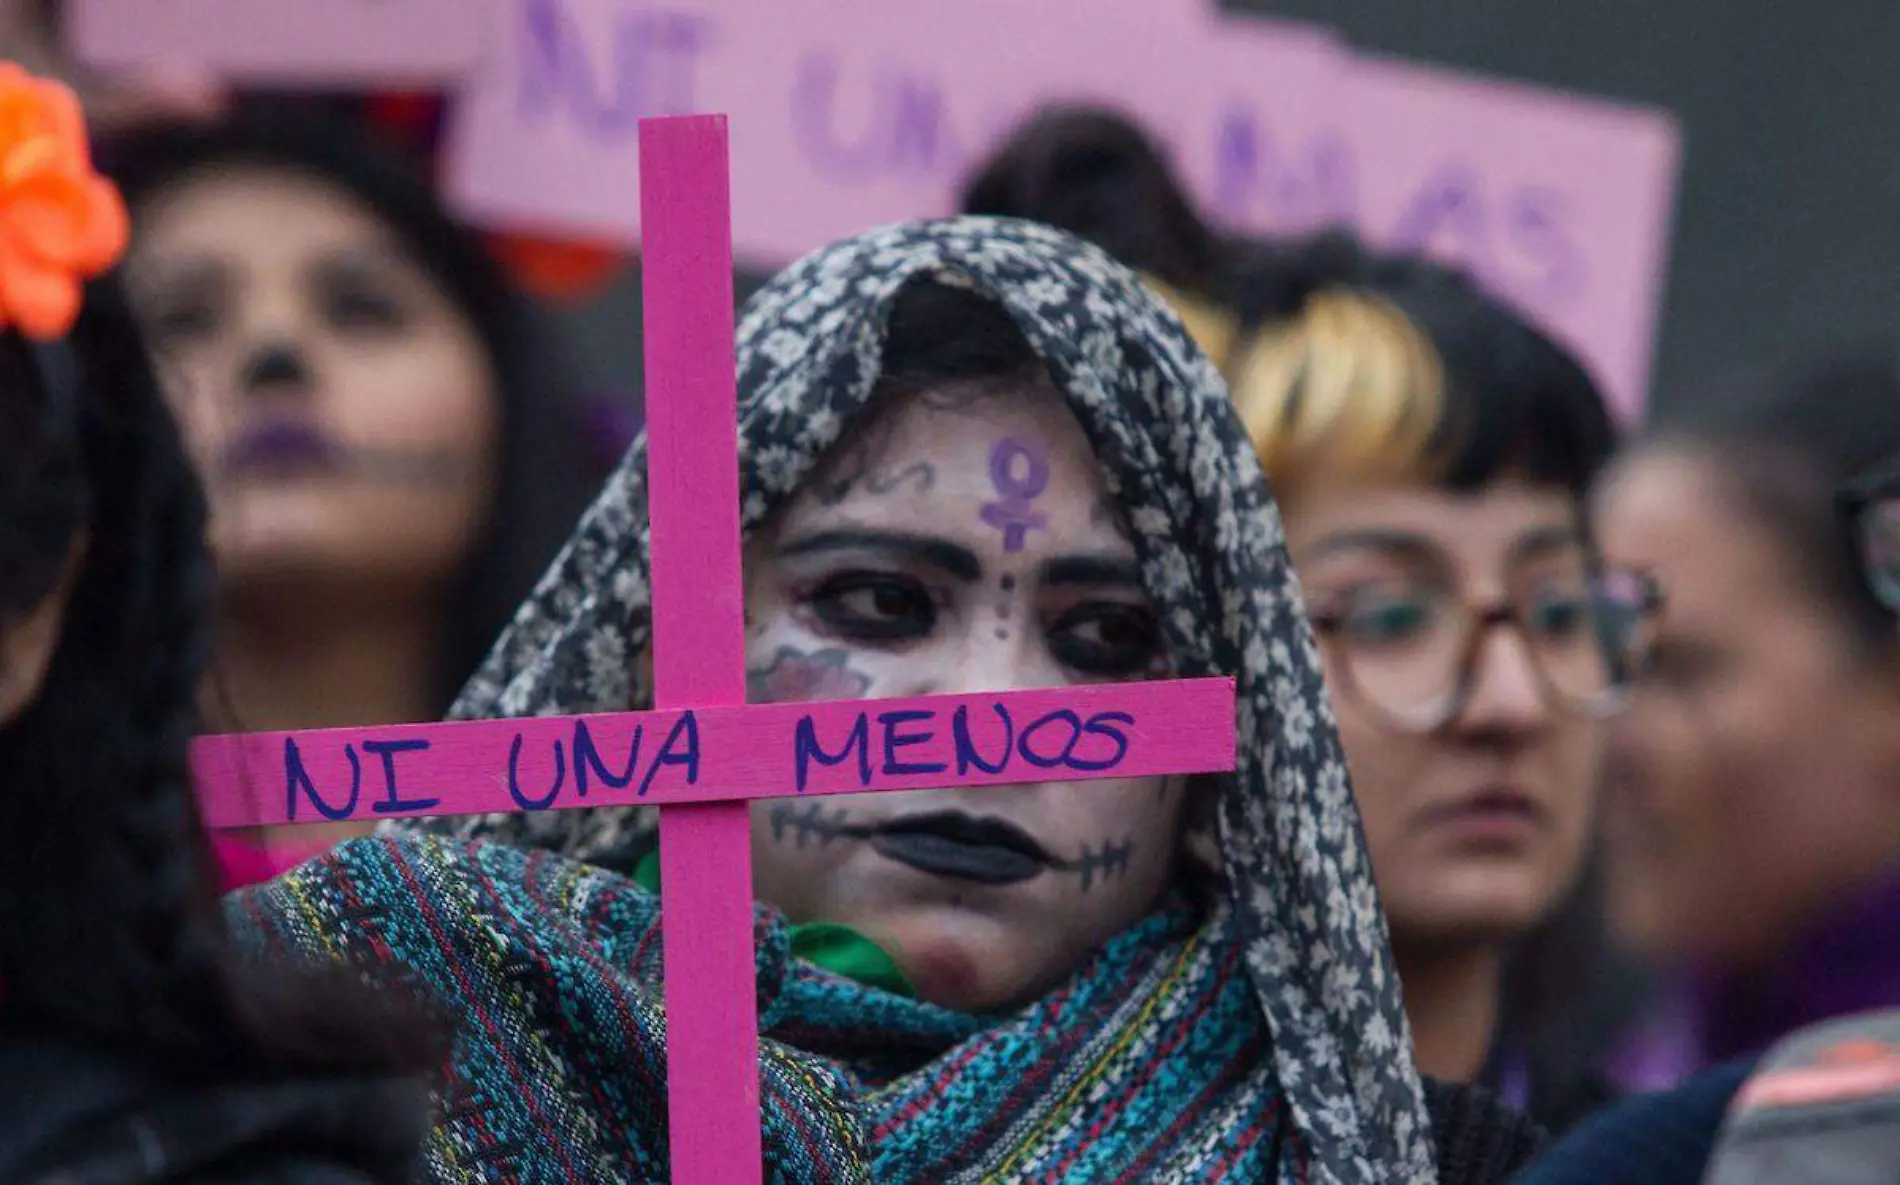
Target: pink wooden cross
703 753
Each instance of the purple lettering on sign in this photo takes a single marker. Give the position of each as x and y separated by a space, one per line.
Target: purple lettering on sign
1537 229
1096 745
906 130
652 66
720 754
1447 212
921 140
1299 190
1011 513
680 749
1453 216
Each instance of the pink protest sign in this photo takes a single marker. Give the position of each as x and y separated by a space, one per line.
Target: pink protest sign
1558 204
853 113
703 753
847 113
299 41
1259 157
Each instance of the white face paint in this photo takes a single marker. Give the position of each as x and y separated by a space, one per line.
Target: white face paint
960 549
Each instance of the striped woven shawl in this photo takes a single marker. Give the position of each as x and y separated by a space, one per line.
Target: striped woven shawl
1151 1064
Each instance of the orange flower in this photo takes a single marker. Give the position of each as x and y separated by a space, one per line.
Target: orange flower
60 222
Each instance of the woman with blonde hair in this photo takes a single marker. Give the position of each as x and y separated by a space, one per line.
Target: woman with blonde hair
1429 451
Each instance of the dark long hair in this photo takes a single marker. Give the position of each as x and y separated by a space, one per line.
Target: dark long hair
109 927
542 483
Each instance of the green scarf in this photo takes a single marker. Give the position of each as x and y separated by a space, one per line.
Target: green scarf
838 949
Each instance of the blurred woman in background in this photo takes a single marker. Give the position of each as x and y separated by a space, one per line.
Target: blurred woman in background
1838 1121
1754 816
388 461
130 1052
1429 450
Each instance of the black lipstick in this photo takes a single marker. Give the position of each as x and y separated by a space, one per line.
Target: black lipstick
989 851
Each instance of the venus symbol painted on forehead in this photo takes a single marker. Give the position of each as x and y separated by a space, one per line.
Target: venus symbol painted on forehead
1019 472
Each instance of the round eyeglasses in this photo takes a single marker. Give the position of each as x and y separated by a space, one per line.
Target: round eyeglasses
1409 650
1871 504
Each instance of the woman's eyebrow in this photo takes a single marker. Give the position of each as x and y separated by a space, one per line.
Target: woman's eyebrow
959 562
1543 541
360 263
1400 544
1096 571
179 276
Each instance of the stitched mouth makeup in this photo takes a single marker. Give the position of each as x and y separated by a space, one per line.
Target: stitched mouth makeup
988 851
955 844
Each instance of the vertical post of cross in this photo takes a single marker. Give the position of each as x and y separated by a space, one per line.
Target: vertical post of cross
699 641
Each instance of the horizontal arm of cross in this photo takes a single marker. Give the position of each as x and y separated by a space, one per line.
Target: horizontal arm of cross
671 758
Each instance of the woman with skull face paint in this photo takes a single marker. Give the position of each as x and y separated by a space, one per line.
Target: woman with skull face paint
387 463
1131 981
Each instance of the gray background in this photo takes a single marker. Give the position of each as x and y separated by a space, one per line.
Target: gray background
1787 231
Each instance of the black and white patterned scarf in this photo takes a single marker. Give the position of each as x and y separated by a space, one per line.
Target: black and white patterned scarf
1214 560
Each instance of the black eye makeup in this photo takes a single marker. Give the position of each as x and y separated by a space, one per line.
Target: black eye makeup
1102 636
871 591
892 589
1106 639
871 607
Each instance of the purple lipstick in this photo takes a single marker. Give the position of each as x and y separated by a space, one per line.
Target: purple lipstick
283 447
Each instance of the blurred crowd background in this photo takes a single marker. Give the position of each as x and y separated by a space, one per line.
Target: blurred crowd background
1704 854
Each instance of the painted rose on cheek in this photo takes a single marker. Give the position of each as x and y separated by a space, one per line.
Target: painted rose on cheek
793 676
